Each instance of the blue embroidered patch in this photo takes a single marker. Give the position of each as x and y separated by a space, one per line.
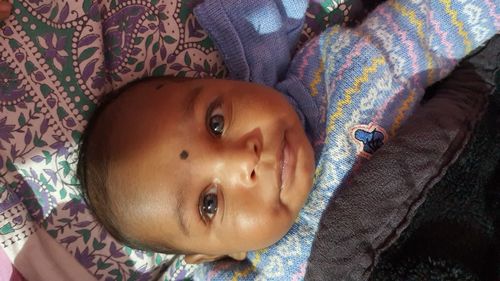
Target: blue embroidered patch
369 138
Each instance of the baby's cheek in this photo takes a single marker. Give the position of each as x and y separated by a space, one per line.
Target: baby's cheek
277 224
256 224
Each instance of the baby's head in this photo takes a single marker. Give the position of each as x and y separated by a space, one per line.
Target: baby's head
202 167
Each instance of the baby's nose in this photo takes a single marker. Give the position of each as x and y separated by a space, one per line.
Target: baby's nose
244 161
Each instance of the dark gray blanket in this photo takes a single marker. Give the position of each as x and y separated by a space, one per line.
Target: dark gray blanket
369 215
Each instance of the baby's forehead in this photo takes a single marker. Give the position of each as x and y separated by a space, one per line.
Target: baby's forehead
145 126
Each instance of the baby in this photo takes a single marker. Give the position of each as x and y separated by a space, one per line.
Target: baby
217 167
213 168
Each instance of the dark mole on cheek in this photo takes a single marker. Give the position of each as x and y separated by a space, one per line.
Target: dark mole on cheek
184 155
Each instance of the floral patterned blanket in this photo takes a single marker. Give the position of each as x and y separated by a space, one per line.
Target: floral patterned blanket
58 57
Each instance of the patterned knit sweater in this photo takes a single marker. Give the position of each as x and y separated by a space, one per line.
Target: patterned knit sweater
352 87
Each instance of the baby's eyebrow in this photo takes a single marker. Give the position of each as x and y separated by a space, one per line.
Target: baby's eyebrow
192 101
181 211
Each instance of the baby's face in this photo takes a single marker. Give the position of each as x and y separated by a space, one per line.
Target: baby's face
209 166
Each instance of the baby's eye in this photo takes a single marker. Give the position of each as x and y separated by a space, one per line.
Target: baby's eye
215 119
216 124
208 204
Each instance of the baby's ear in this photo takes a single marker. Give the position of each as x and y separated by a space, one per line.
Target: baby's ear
239 256
201 258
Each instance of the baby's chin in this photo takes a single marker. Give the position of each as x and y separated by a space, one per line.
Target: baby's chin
276 240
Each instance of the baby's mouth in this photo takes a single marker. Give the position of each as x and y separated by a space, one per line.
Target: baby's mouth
283 164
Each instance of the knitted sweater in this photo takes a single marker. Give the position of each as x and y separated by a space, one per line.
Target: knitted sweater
352 87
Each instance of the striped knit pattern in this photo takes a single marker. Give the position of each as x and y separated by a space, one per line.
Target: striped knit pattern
374 74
